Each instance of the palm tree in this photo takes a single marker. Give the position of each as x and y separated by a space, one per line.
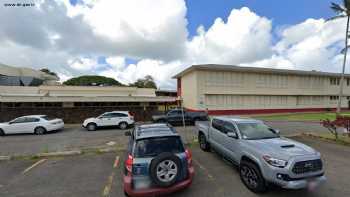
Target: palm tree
342 11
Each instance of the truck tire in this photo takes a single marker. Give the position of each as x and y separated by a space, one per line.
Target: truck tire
161 121
165 169
251 177
203 143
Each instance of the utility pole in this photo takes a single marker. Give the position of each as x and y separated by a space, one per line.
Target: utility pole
183 114
344 65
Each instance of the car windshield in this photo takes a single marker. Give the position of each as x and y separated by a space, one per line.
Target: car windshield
151 147
254 131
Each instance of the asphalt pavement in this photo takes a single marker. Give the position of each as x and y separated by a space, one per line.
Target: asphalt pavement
100 175
73 137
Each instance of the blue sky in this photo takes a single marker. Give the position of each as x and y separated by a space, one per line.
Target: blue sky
282 12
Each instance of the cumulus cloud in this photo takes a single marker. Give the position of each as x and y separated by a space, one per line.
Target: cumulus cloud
246 37
310 45
69 40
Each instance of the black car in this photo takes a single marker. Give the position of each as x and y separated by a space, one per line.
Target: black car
177 116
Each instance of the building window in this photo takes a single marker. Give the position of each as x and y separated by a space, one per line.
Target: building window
334 98
334 81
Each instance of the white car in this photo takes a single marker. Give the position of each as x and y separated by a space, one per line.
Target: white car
37 124
122 119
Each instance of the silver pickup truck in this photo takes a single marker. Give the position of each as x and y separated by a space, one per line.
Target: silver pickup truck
262 155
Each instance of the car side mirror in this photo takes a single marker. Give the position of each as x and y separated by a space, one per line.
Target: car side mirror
232 135
11 122
127 133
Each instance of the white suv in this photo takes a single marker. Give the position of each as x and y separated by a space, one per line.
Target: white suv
122 119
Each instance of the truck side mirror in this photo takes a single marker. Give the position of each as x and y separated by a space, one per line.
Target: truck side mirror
232 135
276 131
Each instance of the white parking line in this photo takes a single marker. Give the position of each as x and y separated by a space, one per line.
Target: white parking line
34 165
204 169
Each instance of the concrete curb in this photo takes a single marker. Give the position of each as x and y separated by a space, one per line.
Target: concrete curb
5 158
61 153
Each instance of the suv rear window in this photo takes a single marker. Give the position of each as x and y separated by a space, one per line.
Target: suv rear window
151 147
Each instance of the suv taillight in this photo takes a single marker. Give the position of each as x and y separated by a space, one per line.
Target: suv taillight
131 115
128 163
188 157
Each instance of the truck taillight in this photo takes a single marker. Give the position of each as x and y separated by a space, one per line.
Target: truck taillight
189 157
128 163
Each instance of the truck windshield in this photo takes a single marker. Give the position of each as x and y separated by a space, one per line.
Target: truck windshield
255 131
151 147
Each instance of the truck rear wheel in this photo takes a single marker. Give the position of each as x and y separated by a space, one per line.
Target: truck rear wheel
203 143
252 177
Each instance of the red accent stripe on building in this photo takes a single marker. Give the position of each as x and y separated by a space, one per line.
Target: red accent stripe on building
263 111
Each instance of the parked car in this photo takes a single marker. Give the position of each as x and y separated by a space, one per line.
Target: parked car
157 162
262 155
122 119
175 117
37 124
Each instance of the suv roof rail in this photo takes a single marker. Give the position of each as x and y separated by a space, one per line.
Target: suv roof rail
154 127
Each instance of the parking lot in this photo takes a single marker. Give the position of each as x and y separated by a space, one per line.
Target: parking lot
100 174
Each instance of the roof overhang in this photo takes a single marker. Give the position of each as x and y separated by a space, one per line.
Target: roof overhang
233 68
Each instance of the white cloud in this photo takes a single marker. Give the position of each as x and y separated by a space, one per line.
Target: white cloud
116 62
245 37
161 72
69 39
83 64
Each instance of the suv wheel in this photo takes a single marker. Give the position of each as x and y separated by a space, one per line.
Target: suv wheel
251 177
91 127
165 169
2 133
123 125
203 143
39 130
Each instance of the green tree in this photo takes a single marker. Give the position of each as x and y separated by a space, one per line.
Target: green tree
146 82
92 80
47 71
342 11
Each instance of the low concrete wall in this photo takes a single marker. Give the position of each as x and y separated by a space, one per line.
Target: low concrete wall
76 114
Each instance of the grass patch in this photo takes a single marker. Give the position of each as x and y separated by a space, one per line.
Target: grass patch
301 116
342 139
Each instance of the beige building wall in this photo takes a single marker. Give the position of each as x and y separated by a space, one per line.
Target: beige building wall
189 92
227 90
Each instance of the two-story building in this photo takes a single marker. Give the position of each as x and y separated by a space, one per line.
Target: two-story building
226 89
